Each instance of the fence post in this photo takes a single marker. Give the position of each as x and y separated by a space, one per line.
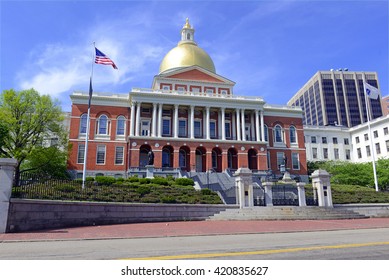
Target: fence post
321 182
244 184
268 193
7 168
301 193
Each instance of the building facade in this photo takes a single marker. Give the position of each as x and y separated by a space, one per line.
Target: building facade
337 98
348 144
190 119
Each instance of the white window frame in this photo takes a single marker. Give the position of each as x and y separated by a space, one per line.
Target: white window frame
228 124
180 120
280 159
212 132
100 151
82 126
99 124
169 128
116 155
80 153
200 134
118 121
142 126
292 129
293 161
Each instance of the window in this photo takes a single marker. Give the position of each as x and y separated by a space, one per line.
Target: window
145 127
100 157
348 154
278 137
228 129
197 128
314 152
325 153
83 123
119 155
53 141
166 127
346 141
387 145
359 153
378 148
375 133
182 158
280 159
366 137
336 153
386 132
209 90
121 124
324 140
335 140
292 135
102 125
313 139
223 92
295 161
182 128
266 132
368 153
166 156
181 89
80 153
357 139
166 87
212 128
146 110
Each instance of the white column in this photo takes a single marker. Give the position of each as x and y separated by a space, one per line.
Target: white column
137 124
252 126
132 127
192 108
160 120
154 121
223 123
175 121
243 126
207 119
237 120
262 127
257 134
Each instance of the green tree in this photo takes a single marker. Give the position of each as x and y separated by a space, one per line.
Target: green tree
32 120
3 133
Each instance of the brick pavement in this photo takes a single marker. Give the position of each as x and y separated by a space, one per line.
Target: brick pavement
150 230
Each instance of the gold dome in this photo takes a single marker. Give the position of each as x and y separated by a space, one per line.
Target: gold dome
187 53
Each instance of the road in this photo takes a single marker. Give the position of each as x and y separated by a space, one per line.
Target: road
356 244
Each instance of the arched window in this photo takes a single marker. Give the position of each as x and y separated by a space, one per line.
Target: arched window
278 134
266 133
83 123
182 158
102 125
292 135
120 125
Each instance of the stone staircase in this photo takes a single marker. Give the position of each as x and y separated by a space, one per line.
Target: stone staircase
286 213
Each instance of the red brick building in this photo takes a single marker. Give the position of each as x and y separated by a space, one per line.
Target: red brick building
190 119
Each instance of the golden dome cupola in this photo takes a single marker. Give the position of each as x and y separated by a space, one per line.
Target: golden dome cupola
187 53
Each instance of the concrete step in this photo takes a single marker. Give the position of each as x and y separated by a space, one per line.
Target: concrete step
286 213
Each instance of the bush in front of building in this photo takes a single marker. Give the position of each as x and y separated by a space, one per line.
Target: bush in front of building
184 182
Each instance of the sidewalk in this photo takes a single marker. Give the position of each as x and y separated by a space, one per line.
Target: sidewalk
149 230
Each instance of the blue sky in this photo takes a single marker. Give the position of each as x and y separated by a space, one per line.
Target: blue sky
269 48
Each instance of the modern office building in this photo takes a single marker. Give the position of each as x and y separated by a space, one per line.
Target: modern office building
190 119
337 98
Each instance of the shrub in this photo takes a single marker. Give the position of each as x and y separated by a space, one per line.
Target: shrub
168 199
184 182
133 179
66 188
144 180
160 181
142 190
206 192
105 181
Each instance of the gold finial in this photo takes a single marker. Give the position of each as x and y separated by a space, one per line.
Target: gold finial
187 25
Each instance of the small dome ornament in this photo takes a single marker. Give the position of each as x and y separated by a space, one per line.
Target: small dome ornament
187 24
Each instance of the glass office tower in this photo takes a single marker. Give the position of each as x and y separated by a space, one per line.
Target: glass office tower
337 98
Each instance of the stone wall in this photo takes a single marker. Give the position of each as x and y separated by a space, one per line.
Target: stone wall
28 215
370 210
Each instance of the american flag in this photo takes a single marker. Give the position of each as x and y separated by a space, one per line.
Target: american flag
103 59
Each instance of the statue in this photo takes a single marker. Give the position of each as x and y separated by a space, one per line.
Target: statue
151 158
285 160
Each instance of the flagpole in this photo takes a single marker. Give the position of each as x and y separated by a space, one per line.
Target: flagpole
88 120
371 140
